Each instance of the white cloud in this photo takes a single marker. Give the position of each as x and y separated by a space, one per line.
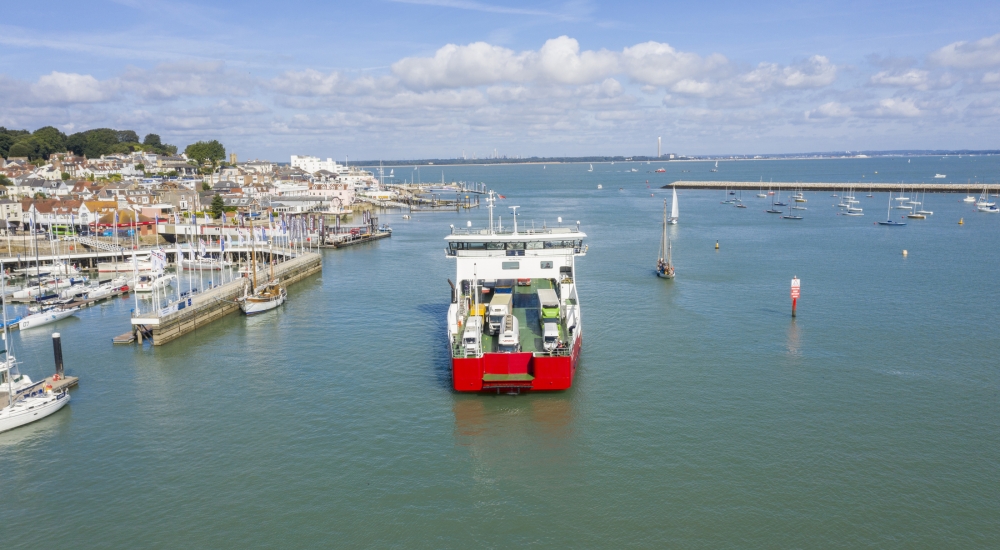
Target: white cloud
831 109
913 78
969 55
816 72
892 107
558 61
659 64
64 88
187 78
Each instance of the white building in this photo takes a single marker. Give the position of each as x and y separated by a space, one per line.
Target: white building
314 164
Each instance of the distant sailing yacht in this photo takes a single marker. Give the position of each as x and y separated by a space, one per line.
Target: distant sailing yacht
591 169
674 211
665 267
716 169
888 215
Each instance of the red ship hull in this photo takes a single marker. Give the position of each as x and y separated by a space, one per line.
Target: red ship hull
515 371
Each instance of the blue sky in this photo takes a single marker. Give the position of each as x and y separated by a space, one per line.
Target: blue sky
434 78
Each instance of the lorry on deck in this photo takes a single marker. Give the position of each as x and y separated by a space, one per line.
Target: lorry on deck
509 341
500 307
472 338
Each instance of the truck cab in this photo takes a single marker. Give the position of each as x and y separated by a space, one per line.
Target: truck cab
472 337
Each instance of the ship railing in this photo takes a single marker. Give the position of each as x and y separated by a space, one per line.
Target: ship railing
521 231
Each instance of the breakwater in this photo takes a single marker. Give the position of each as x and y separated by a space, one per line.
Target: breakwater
831 186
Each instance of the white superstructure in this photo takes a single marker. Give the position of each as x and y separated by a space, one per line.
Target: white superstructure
314 164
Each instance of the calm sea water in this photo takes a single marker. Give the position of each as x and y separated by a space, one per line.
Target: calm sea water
702 415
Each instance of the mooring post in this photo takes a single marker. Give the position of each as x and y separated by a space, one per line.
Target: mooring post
57 349
795 293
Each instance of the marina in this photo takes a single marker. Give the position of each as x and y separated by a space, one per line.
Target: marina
785 422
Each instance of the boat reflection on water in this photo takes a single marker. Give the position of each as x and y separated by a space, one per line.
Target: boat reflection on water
792 343
500 431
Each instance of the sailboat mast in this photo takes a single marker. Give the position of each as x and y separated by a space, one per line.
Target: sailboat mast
663 238
6 337
253 257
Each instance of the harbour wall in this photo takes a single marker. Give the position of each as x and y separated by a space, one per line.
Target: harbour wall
218 302
858 187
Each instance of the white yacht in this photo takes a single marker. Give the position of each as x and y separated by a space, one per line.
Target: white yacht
46 317
154 281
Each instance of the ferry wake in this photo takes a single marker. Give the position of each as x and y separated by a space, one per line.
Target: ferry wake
514 321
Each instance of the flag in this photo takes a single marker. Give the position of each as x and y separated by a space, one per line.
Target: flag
201 246
501 197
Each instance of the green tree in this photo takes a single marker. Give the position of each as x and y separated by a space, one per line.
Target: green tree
127 136
206 151
8 138
65 176
141 167
152 140
205 186
218 207
22 148
5 181
50 140
40 195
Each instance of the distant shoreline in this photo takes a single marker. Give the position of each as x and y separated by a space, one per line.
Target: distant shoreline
860 155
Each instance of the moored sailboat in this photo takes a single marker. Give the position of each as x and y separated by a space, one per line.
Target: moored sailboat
665 264
674 211
19 409
258 299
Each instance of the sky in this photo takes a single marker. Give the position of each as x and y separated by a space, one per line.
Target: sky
401 79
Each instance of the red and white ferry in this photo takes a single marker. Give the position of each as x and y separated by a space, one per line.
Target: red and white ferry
514 321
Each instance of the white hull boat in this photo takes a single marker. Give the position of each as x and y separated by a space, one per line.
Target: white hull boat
124 267
148 283
29 409
45 318
52 269
204 263
255 304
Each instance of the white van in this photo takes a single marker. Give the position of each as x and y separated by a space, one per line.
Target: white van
550 336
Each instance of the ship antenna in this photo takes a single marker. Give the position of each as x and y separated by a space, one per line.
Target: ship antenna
513 210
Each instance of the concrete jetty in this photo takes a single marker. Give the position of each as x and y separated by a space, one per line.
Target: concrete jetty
204 307
831 186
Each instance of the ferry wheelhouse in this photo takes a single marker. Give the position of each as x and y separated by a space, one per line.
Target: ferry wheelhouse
514 321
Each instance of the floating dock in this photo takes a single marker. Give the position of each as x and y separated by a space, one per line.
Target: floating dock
343 241
205 307
857 186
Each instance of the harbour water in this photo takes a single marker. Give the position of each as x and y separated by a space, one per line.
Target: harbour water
702 415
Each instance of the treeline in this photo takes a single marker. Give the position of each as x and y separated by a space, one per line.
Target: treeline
41 143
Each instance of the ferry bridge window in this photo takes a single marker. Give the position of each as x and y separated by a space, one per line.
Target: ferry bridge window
546 265
533 245
494 246
455 246
511 265
515 246
475 246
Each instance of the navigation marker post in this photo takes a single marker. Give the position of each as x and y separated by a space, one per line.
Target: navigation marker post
795 293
